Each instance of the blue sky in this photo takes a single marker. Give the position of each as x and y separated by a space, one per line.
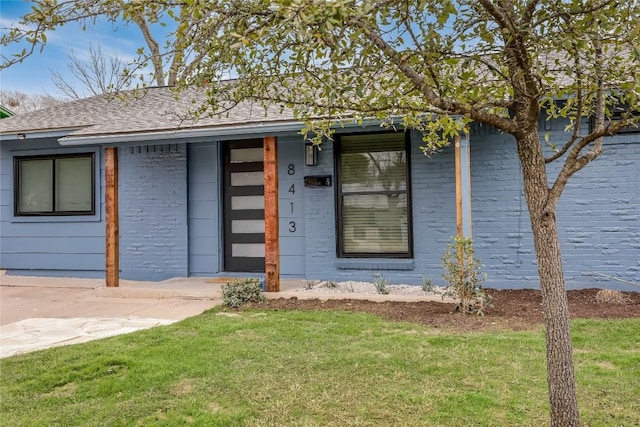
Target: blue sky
34 74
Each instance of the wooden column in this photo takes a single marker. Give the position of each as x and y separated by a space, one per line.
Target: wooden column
463 186
271 217
458 187
112 231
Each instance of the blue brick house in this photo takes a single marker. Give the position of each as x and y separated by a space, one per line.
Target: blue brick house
191 198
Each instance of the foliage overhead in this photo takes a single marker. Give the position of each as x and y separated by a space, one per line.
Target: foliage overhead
398 60
170 59
425 64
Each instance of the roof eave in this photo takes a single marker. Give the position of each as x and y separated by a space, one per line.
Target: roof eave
35 134
163 135
254 129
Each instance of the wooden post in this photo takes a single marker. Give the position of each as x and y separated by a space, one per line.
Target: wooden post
463 186
271 217
458 187
112 232
463 191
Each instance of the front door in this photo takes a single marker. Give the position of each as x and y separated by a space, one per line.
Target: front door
244 206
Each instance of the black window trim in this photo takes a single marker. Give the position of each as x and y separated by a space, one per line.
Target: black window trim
338 200
53 157
616 115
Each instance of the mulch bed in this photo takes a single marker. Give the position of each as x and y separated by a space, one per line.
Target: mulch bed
511 309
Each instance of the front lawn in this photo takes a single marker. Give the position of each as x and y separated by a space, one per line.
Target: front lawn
301 368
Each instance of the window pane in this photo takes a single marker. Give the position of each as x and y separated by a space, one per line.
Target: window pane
35 186
73 184
241 155
375 223
247 202
242 226
253 250
239 179
368 164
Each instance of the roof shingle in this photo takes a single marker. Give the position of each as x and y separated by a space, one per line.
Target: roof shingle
146 110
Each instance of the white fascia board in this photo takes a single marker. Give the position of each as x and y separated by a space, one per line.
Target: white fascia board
145 137
226 131
31 134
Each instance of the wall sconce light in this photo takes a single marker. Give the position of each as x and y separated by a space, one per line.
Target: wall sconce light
310 154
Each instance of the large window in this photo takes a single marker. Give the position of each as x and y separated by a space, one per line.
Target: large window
54 185
374 202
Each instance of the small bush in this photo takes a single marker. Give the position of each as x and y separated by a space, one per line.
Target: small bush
427 285
330 285
242 291
463 277
380 283
609 296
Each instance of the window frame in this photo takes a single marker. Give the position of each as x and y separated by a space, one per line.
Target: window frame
616 115
53 157
340 251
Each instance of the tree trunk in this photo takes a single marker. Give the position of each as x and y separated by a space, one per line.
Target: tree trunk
560 376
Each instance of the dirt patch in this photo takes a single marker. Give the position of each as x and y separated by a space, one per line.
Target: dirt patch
511 309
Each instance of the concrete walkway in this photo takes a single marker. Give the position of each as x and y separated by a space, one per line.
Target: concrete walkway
42 312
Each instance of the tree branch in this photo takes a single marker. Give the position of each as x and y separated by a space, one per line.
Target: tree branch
154 48
421 85
529 9
575 161
574 11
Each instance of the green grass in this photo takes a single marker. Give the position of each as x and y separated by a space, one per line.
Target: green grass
299 368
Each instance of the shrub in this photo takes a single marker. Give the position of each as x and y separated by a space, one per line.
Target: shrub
609 296
242 291
380 283
330 285
463 277
427 285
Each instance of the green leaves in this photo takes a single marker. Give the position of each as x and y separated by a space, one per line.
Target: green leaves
350 59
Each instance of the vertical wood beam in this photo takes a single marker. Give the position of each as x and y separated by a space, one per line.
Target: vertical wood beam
463 186
463 193
112 228
465 178
271 216
458 187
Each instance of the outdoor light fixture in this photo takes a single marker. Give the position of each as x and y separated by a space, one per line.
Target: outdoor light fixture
310 154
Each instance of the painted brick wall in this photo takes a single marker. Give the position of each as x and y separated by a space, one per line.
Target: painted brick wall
501 226
169 217
434 208
153 212
598 215
319 213
599 218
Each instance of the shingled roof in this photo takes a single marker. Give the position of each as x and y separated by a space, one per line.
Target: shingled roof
158 109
